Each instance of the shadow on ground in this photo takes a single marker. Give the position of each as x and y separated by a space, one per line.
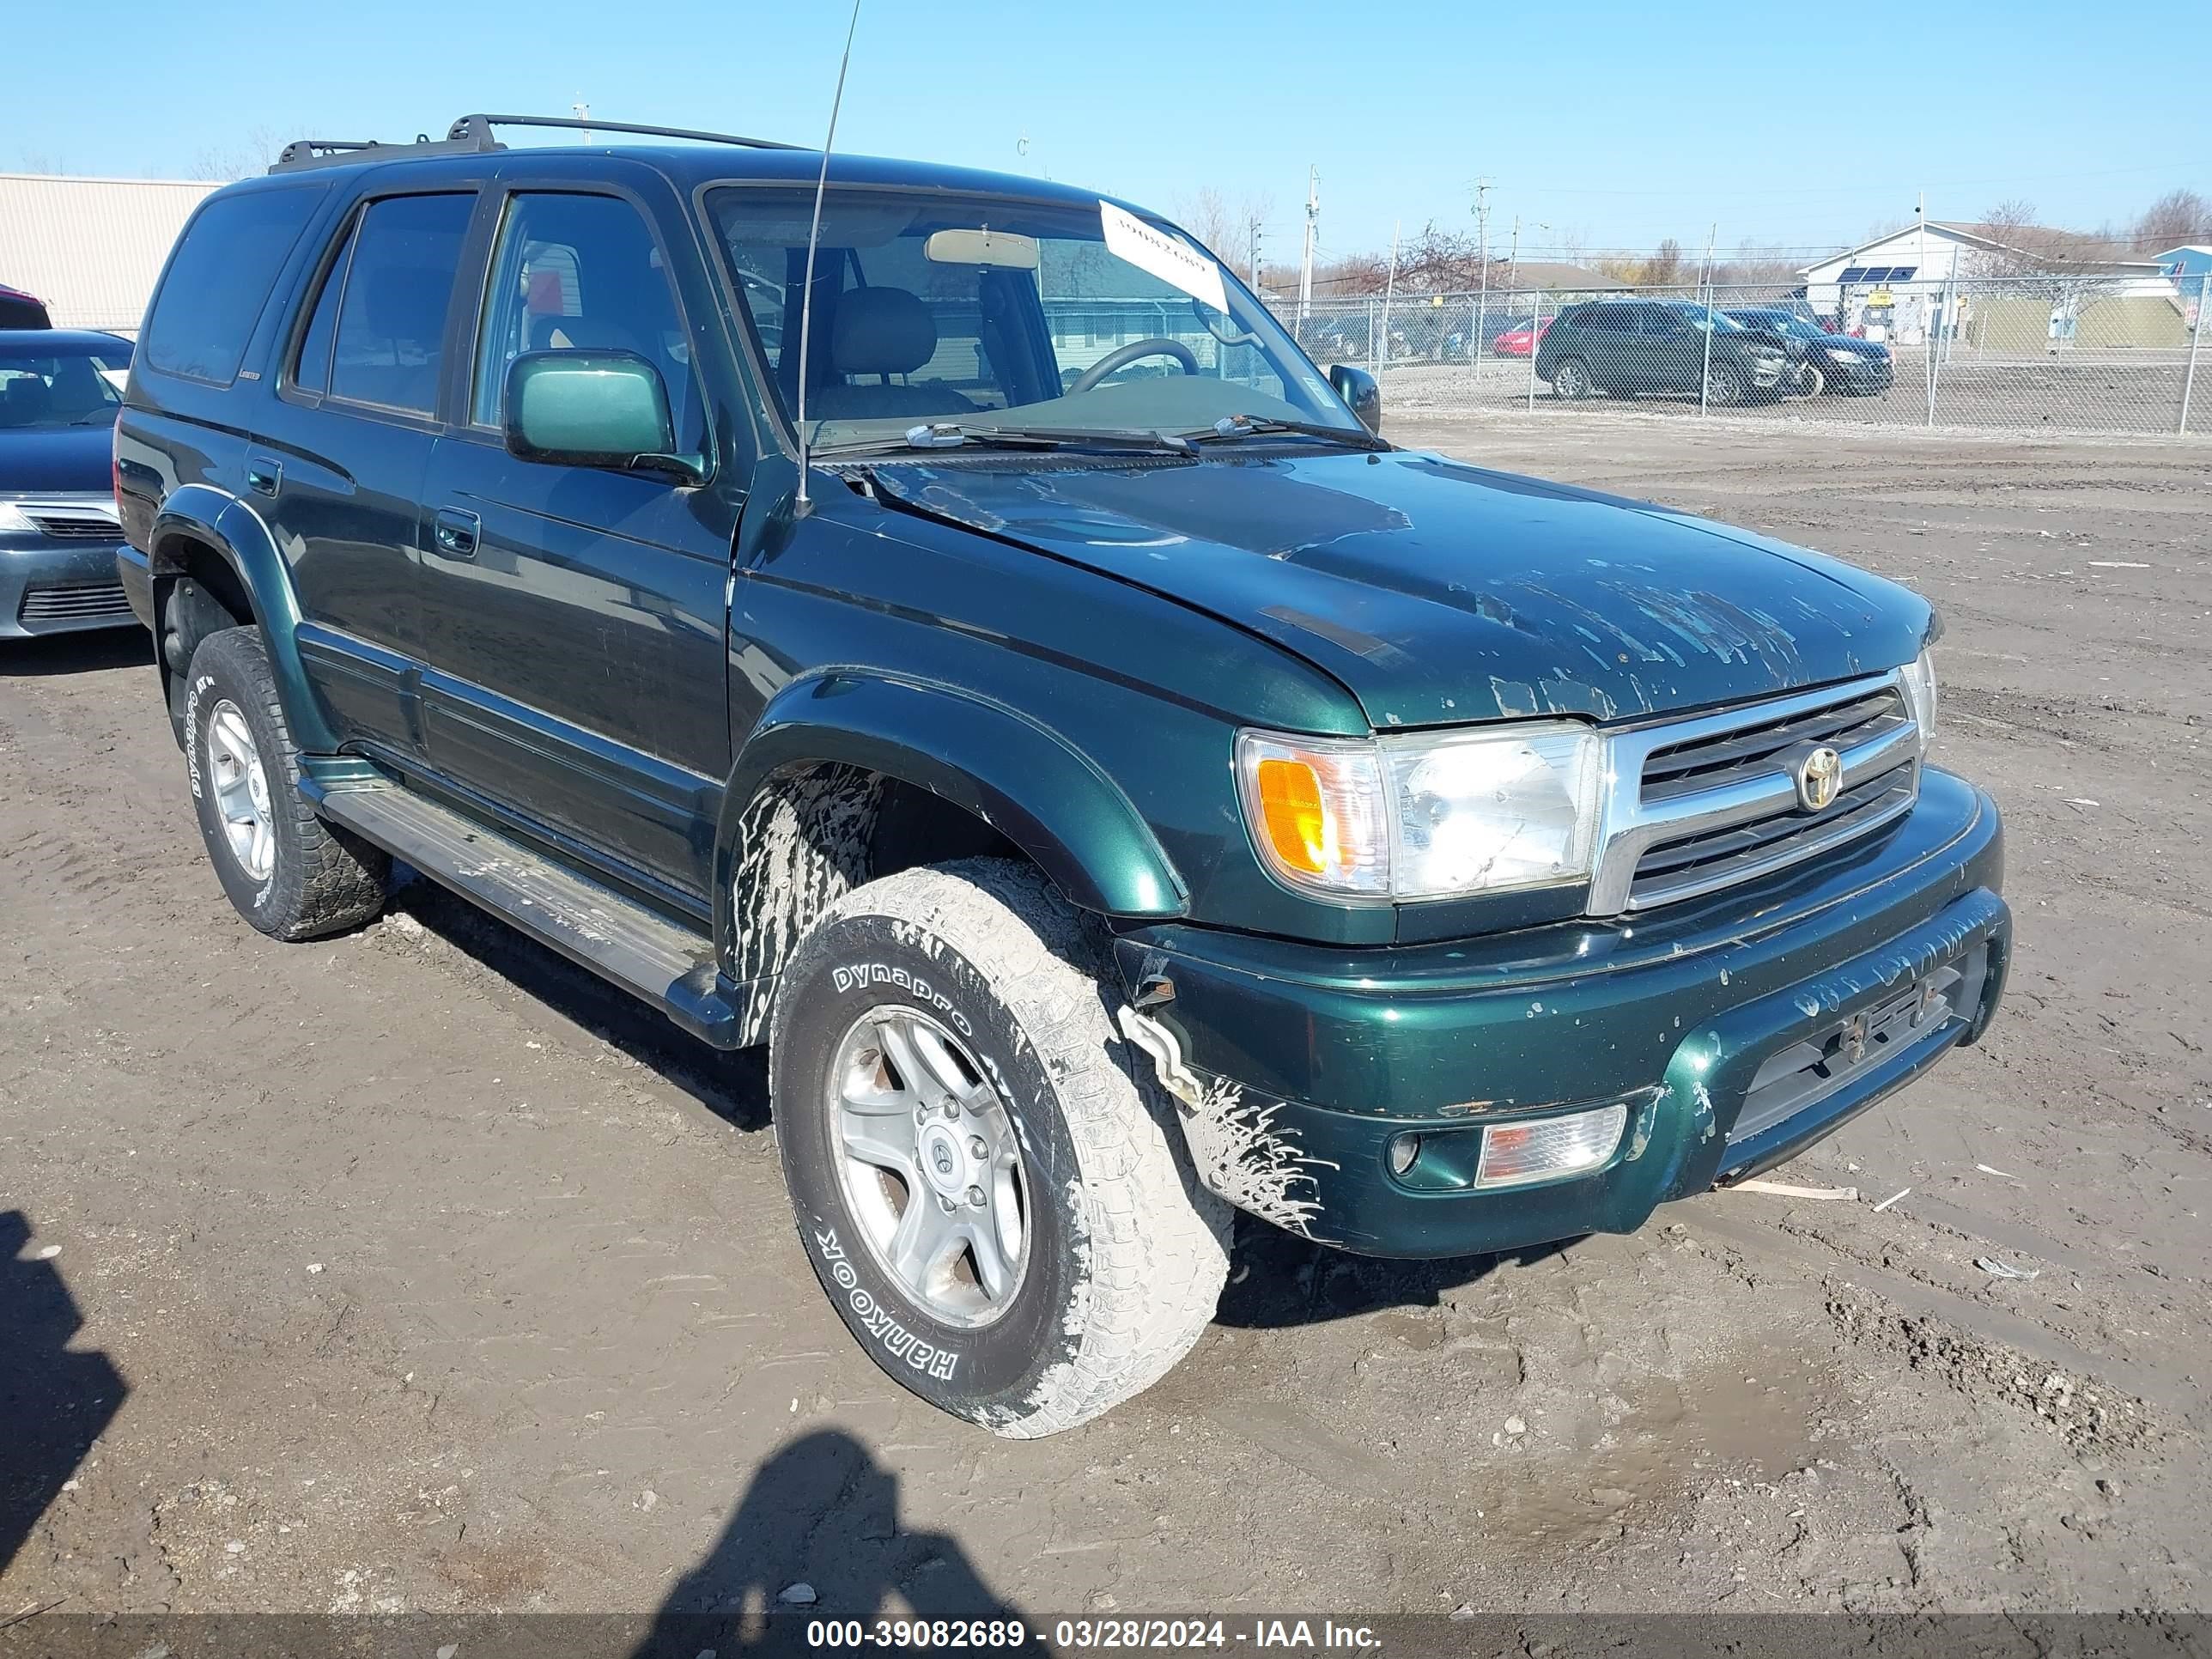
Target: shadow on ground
816 1535
53 1404
77 653
732 1086
1277 1281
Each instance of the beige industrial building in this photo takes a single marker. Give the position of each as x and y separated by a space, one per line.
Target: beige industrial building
91 248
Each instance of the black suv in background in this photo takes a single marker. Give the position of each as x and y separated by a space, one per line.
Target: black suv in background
1626 347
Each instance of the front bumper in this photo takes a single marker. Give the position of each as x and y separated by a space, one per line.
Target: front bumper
1738 1029
1862 375
49 586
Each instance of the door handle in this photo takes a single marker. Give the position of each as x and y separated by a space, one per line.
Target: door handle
263 476
455 532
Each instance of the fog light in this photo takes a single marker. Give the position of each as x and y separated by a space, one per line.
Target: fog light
1514 1154
1404 1149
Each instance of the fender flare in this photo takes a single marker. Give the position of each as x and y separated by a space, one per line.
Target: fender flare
242 539
1023 779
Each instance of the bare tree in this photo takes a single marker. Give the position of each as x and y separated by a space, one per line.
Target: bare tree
224 162
1224 227
2178 217
2021 250
1664 268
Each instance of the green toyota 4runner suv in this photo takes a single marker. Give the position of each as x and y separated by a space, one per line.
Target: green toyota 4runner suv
1116 785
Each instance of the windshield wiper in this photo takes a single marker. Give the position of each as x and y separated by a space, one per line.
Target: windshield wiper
955 435
1232 427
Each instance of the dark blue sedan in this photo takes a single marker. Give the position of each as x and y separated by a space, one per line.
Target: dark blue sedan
1830 362
59 393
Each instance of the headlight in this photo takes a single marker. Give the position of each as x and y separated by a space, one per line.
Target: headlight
1837 354
12 521
1424 818
1919 682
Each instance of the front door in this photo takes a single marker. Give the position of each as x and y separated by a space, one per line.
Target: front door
337 467
573 618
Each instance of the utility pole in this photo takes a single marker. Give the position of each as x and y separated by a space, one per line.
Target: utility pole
1313 222
583 112
1513 264
1252 245
1482 258
1389 293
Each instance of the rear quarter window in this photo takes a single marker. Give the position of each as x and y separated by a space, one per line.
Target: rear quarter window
219 278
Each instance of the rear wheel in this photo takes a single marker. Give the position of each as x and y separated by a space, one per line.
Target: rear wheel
1571 380
290 874
990 1186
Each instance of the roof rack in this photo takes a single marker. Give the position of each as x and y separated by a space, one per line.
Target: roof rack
577 123
471 135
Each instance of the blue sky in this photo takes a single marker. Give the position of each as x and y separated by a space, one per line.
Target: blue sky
1800 124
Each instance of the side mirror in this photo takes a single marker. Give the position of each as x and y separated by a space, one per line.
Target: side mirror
1357 387
593 409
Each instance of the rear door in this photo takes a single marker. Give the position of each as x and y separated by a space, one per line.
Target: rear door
574 618
1672 352
336 467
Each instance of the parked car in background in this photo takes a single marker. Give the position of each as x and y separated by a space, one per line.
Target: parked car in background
1830 362
22 310
1630 348
59 393
1519 338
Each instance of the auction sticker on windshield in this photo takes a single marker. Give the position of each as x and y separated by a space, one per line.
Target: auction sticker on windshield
1151 249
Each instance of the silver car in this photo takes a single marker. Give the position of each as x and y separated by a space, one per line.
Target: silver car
60 391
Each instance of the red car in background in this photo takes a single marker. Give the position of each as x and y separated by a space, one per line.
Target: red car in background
22 310
1519 339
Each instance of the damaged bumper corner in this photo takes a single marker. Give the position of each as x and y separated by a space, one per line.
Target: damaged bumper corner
1735 1031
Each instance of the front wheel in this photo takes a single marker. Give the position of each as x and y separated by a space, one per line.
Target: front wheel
1723 386
990 1184
287 871
1808 381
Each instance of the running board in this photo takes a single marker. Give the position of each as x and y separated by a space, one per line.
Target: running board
646 953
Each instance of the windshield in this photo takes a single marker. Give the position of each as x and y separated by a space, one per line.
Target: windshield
988 310
48 384
1779 322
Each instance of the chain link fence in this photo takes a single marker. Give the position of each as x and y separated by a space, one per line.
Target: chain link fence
2011 354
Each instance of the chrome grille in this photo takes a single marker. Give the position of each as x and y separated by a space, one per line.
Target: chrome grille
1700 805
73 602
70 524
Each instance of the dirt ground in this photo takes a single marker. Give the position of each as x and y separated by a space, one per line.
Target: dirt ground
414 1270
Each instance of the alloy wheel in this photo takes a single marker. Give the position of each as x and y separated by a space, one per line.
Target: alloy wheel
241 790
930 1164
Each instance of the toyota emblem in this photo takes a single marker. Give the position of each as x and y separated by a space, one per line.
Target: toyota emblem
1819 776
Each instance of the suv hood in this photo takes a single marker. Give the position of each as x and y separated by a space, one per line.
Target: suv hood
1439 593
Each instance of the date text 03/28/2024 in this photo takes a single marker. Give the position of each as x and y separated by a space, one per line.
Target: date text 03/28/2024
1078 1635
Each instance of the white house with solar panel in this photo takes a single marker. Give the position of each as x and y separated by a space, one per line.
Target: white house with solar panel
1895 286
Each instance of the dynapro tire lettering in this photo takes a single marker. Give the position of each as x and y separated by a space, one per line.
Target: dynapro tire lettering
876 973
193 731
895 1338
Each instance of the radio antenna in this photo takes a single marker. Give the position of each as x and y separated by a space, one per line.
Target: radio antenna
813 236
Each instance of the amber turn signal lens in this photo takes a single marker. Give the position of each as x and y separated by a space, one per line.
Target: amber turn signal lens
1289 806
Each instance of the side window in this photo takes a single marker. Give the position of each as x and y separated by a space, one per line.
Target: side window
219 278
388 344
1607 319
583 272
313 371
